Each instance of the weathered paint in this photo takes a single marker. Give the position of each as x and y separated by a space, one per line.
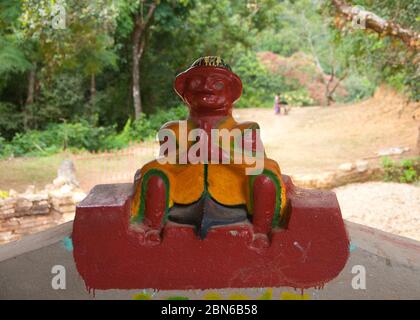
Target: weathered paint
309 251
266 295
293 296
238 296
352 247
142 296
177 298
68 244
212 296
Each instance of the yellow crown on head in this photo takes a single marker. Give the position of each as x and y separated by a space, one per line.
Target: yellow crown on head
211 61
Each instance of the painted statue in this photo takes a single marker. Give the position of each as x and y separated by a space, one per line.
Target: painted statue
210 194
212 211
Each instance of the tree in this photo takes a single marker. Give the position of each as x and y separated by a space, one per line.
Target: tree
319 45
93 34
301 28
141 23
183 31
82 43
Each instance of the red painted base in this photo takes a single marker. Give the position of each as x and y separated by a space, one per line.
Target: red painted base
310 251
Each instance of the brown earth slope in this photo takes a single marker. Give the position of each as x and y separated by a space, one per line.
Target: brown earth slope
318 139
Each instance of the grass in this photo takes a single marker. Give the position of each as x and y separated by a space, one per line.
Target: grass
21 172
91 169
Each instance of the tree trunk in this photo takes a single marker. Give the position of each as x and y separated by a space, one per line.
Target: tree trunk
328 94
136 81
338 81
92 88
139 40
29 97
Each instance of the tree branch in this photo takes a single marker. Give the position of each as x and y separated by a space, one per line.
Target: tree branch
345 74
141 47
141 25
378 24
150 13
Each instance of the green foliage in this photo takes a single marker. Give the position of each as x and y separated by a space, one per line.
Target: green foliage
83 135
55 138
4 194
60 99
185 30
157 119
12 58
259 84
148 126
358 87
298 98
11 119
83 72
383 58
405 171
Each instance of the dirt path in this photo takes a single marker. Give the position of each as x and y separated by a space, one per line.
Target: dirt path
319 139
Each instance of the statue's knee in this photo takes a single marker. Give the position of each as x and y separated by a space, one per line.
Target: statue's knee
156 190
156 182
155 201
264 185
264 203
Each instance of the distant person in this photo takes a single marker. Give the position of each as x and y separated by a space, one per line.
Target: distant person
284 104
277 108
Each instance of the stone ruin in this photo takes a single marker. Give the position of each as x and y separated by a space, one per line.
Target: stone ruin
37 210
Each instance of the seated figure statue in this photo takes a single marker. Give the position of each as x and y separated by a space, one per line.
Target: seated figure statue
215 191
212 211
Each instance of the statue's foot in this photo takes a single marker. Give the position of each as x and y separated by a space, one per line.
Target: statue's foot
146 235
260 241
152 237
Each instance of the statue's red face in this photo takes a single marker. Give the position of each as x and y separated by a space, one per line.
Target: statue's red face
208 90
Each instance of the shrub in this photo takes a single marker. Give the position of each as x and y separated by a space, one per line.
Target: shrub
11 120
358 87
259 84
406 171
299 98
162 116
147 127
83 135
4 194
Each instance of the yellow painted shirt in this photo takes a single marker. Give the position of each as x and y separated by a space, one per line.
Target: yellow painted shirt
228 184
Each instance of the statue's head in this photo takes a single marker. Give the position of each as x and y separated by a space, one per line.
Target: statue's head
208 86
